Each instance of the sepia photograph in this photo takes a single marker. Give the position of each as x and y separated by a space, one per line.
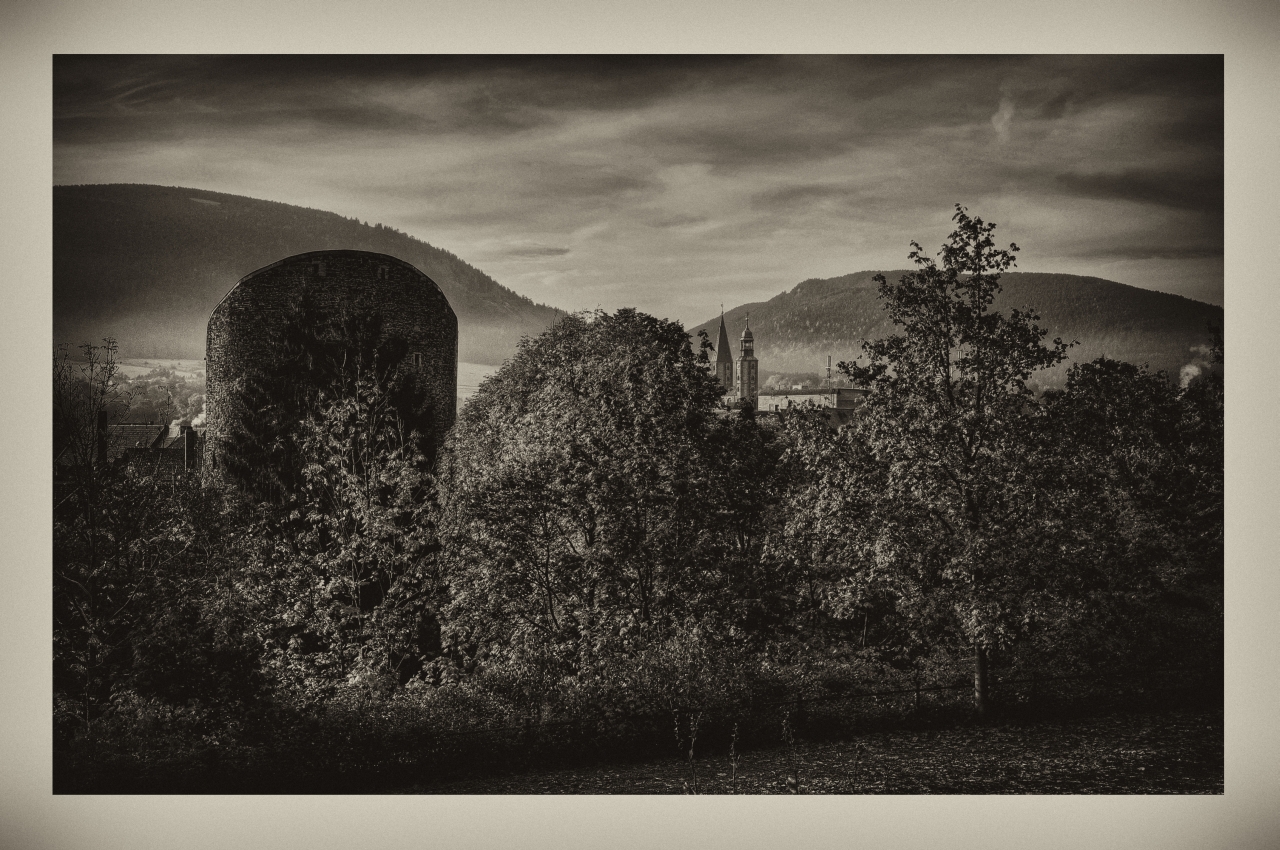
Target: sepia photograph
636 425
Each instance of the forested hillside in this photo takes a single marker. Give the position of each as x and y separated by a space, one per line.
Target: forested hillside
147 264
796 330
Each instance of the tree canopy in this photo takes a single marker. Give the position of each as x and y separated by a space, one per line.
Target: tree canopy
956 524
591 495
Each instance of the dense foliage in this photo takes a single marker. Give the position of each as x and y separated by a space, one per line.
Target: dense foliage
152 612
596 509
599 541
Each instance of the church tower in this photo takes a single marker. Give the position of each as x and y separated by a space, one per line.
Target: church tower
724 359
747 373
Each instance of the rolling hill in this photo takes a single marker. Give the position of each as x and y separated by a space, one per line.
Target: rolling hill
796 330
147 264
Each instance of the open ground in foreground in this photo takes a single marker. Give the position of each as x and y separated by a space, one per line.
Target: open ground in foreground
1177 752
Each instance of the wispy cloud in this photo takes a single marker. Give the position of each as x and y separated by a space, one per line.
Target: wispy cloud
1003 119
533 251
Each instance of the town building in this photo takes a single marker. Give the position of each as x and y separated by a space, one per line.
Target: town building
843 398
740 381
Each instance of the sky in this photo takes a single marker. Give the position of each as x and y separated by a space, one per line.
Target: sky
675 184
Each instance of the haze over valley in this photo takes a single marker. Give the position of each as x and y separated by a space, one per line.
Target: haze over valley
147 264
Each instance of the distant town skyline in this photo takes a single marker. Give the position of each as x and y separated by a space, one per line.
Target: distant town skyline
675 183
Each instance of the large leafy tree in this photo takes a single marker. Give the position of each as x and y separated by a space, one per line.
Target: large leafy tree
1139 463
947 455
592 497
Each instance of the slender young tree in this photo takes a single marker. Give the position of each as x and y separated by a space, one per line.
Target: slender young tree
953 427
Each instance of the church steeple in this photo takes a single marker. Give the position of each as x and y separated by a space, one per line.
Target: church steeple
747 375
724 357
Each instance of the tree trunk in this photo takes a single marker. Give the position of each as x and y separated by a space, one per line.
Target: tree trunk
980 681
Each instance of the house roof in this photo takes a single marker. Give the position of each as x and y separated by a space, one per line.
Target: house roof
123 438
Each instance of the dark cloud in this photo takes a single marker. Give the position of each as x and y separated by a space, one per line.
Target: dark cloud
1199 192
676 220
1092 80
1155 251
1199 126
792 197
575 177
1055 107
161 126
729 150
493 94
534 251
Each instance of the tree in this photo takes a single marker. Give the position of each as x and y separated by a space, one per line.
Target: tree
1140 468
1201 427
590 495
148 599
951 525
86 393
355 588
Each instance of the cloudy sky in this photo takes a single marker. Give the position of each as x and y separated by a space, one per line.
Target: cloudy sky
674 184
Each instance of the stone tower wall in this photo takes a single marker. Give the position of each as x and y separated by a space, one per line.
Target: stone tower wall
411 305
747 370
724 372
748 380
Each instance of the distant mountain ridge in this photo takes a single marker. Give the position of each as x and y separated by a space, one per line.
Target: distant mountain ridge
147 264
795 330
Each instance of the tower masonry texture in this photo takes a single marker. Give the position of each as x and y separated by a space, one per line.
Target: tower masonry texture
411 305
747 371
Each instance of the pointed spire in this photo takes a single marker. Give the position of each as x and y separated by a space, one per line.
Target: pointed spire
724 354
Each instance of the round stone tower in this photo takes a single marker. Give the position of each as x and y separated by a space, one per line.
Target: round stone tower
411 306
